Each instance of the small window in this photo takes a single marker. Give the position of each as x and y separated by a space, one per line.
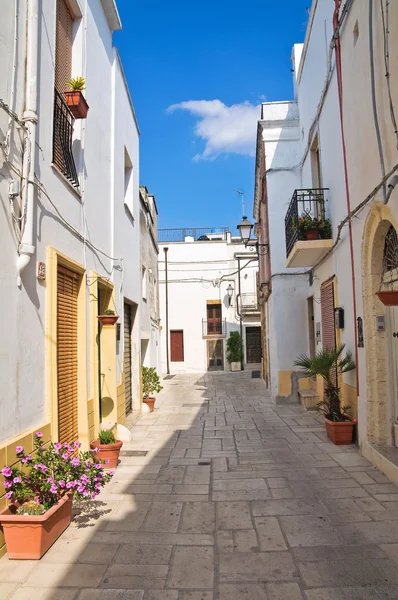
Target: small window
128 183
144 283
316 168
355 33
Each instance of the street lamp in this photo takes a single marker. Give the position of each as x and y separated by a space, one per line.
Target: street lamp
230 291
245 230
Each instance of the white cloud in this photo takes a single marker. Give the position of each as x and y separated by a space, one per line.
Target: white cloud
224 129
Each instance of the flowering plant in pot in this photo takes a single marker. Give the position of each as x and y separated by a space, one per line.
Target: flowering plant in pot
108 318
75 100
150 384
41 494
108 447
329 363
234 350
312 228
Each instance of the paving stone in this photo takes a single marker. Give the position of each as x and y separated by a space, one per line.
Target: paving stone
175 539
306 530
239 484
63 552
79 576
194 596
228 591
198 517
351 572
277 482
15 570
257 566
199 474
234 515
224 541
323 553
138 554
192 568
98 594
171 474
351 593
30 593
161 595
269 534
163 517
288 507
283 591
245 540
135 577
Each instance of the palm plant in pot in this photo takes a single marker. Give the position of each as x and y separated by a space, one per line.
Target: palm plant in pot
150 384
108 447
41 493
75 100
329 363
234 350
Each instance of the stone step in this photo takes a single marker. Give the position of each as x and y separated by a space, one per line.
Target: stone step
309 399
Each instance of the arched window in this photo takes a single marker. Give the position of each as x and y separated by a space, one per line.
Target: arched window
390 258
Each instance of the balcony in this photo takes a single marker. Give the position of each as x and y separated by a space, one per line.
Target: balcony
307 208
249 304
62 140
213 328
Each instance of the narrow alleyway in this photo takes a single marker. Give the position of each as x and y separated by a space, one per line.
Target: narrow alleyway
236 499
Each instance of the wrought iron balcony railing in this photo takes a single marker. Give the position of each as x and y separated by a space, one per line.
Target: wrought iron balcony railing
304 203
249 303
62 140
198 234
213 327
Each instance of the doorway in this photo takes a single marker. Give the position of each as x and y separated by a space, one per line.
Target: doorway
177 345
311 326
215 355
128 328
253 345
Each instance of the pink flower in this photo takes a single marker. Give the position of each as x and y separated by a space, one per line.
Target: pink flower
39 434
81 489
98 466
61 483
93 496
57 446
77 444
65 456
70 485
29 458
7 484
17 480
6 471
107 461
19 449
75 462
53 489
8 495
98 486
86 493
44 469
50 480
111 473
36 467
24 460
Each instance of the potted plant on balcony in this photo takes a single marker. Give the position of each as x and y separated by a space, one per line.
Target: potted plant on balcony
329 363
108 318
41 493
234 350
75 100
108 447
150 384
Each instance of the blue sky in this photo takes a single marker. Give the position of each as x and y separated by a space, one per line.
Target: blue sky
197 73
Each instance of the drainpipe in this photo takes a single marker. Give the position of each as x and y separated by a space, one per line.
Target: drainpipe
240 315
26 247
165 250
347 187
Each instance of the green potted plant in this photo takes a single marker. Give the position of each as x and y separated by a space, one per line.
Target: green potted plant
41 493
108 447
75 100
234 350
329 363
108 318
150 384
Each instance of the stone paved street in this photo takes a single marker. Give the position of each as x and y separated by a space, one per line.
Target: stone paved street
237 499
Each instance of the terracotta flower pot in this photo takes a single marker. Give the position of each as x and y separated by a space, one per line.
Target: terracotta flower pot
107 319
312 234
150 402
77 104
30 536
388 297
108 451
340 432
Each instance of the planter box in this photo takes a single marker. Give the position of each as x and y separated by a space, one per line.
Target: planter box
107 319
29 537
340 432
108 451
235 366
388 298
150 402
77 104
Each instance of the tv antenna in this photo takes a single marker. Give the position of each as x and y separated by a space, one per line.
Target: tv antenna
242 197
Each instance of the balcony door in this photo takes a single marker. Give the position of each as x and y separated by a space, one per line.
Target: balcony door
214 319
215 355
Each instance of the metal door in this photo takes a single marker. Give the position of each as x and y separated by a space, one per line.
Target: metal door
177 346
392 330
127 357
253 345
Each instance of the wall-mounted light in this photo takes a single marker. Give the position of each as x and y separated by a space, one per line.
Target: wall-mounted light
230 292
245 230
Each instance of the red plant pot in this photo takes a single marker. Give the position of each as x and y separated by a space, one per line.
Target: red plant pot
77 104
108 451
150 402
312 234
30 536
107 319
388 297
340 432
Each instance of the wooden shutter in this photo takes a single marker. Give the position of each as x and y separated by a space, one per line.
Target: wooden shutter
67 352
327 314
177 346
214 324
63 46
127 358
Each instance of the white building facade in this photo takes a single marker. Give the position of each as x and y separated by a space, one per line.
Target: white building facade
331 153
211 291
70 226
